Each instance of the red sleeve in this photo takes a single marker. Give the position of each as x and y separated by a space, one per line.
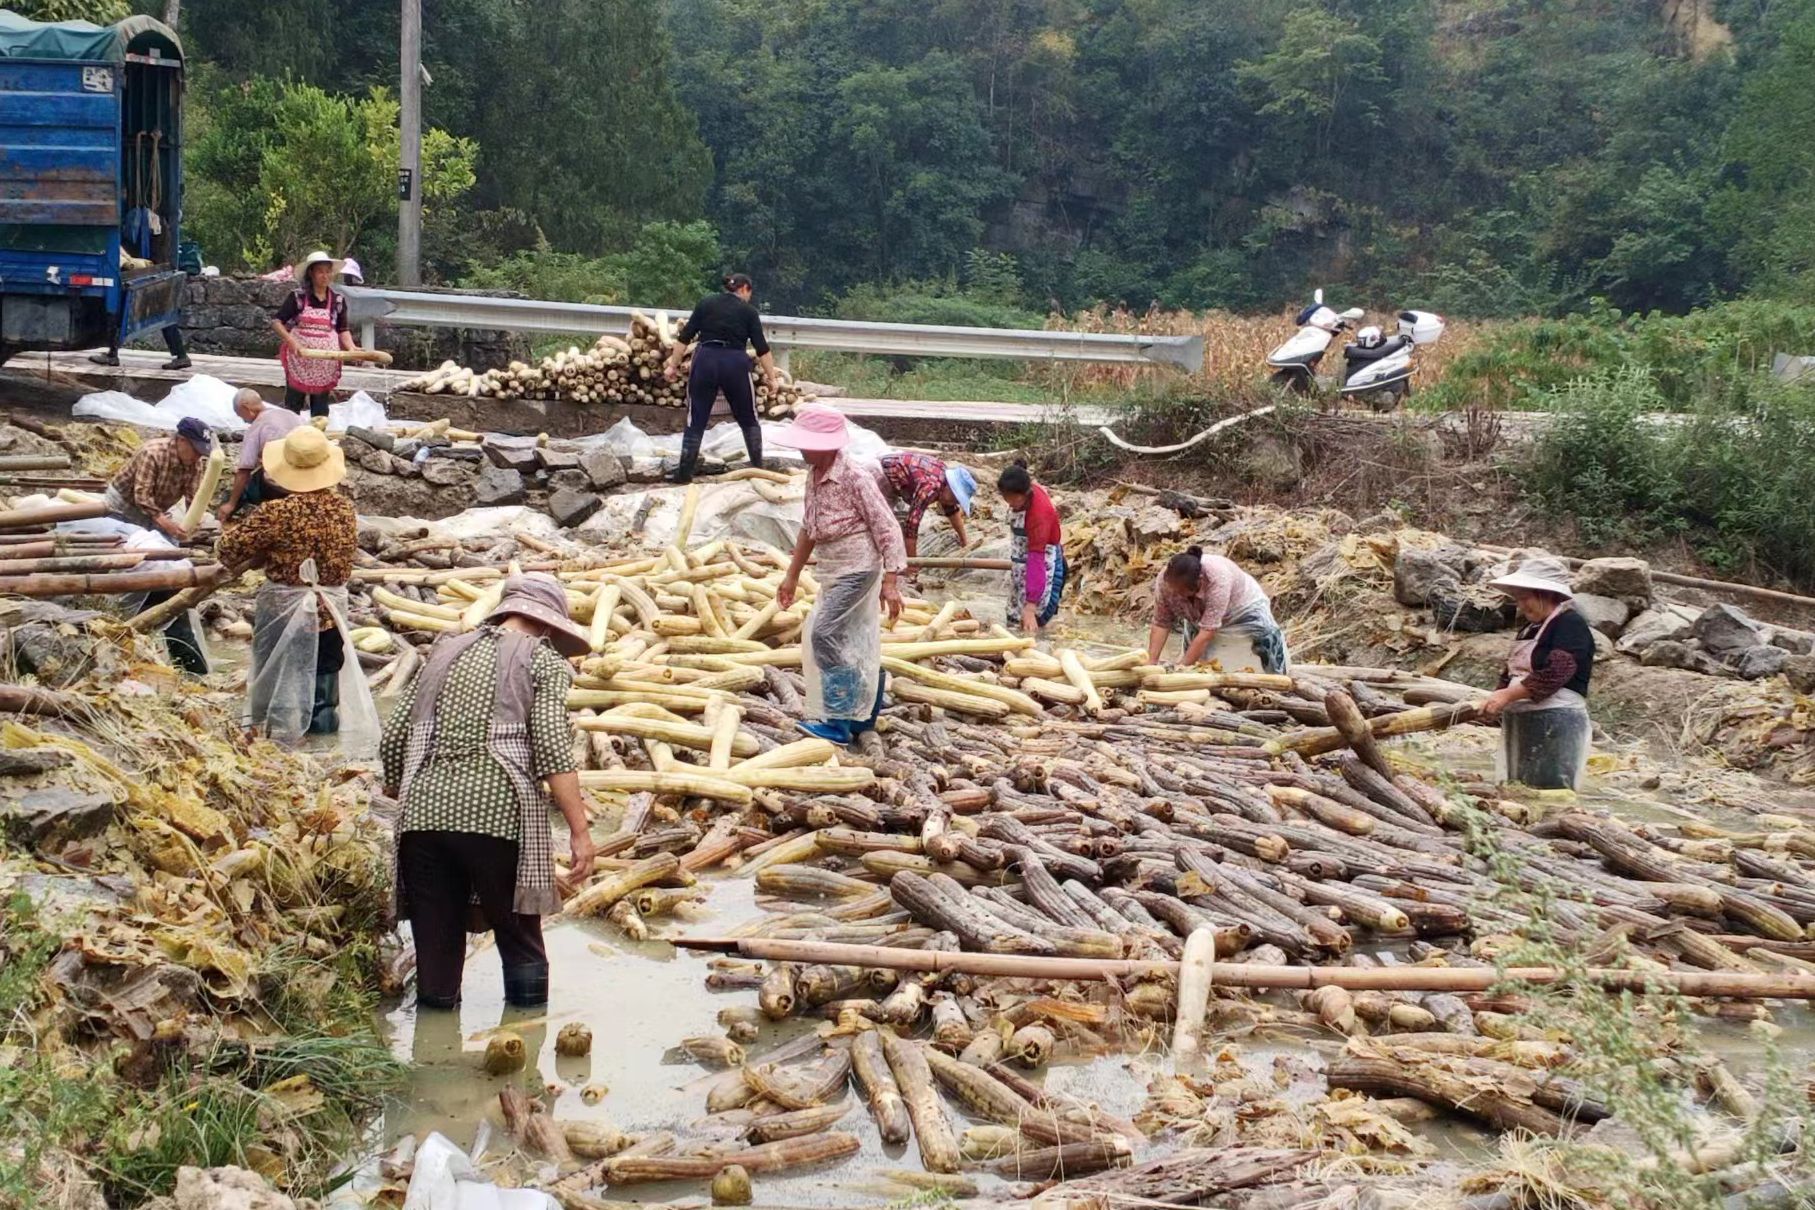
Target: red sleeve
1042 522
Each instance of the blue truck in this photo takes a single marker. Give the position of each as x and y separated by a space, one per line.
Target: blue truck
91 182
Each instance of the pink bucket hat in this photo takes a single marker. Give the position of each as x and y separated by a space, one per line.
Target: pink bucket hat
815 427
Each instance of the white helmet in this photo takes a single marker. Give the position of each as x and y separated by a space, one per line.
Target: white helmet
1369 337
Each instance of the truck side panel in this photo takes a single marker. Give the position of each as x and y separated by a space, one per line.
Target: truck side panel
59 144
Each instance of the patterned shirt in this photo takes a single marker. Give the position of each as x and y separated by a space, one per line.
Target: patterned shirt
269 425
460 787
849 520
157 477
917 479
1222 588
280 534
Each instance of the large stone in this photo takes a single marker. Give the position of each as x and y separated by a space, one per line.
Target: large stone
1724 630
1473 610
574 480
1605 614
1153 524
29 762
401 496
378 461
377 440
1796 642
1673 654
603 467
49 653
227 1189
450 472
49 819
1624 579
1656 625
1424 575
557 458
1756 663
498 486
512 453
1271 462
1799 670
570 508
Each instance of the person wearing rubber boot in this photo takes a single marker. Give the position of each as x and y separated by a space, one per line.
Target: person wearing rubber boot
722 324
305 537
478 727
849 525
1542 701
173 341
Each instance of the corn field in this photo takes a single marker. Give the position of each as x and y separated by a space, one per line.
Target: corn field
1236 346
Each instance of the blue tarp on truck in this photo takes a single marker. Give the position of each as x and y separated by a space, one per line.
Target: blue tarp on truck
90 170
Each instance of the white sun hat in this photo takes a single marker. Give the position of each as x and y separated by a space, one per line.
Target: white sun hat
1543 574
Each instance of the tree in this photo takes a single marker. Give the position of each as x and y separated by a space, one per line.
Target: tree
101 12
1325 70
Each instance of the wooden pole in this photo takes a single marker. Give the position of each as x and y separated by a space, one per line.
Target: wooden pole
30 565
34 462
960 562
25 699
159 616
160 580
50 514
1236 974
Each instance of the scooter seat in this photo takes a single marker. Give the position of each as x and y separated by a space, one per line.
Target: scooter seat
1354 354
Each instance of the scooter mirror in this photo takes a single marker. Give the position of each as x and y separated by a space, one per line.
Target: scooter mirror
1354 313
1317 296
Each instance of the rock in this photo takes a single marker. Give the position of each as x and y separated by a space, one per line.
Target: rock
1623 579
512 453
1378 523
406 447
1757 663
377 440
1799 670
570 508
498 486
557 458
50 819
1796 642
379 462
28 762
1605 614
1272 463
1475 610
1724 630
46 652
574 480
603 467
1655 625
1422 575
1153 524
401 496
450 472
227 1189
1674 654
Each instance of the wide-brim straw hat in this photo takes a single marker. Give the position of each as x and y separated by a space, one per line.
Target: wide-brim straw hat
317 258
1537 575
815 427
540 598
304 460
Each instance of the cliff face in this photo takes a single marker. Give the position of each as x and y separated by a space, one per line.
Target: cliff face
1695 26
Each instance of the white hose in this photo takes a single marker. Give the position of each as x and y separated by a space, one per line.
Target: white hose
1214 429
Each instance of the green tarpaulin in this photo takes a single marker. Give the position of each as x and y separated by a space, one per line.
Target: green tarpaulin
82 41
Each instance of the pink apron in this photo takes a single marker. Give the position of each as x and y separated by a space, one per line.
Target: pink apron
313 329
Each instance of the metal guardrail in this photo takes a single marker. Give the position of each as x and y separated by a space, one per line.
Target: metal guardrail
368 307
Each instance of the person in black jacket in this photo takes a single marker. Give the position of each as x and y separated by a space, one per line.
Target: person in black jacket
723 324
1542 700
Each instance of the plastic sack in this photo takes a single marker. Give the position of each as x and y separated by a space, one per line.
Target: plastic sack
842 648
120 408
360 411
280 690
206 398
1545 746
445 1179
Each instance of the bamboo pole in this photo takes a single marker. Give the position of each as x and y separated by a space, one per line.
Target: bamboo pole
161 580
960 562
159 616
50 514
34 462
1300 978
50 564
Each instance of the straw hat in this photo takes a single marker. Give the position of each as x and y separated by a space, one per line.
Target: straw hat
815 427
1543 574
540 598
304 460
317 258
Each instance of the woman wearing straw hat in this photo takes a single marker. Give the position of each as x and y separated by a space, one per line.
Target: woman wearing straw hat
314 317
479 727
305 536
1542 700
849 524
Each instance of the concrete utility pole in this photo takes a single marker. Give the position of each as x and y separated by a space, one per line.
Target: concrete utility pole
409 170
172 10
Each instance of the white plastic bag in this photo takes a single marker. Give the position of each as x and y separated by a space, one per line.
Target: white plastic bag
361 411
280 691
841 650
445 1179
121 408
206 398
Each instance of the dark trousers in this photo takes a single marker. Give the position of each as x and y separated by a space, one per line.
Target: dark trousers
720 368
179 637
173 340
442 872
301 401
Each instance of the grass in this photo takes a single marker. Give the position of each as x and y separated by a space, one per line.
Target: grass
948 378
293 1107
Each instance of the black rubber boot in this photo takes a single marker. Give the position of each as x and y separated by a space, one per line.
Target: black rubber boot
437 1002
326 718
753 445
690 456
178 363
526 986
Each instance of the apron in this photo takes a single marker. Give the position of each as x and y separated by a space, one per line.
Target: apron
313 329
1248 641
1544 744
1047 607
281 691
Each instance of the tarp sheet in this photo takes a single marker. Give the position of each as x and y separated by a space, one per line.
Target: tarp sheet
83 41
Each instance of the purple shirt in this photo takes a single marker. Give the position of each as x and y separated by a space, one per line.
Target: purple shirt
270 425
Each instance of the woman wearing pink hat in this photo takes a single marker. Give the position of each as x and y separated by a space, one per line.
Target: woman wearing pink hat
849 524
